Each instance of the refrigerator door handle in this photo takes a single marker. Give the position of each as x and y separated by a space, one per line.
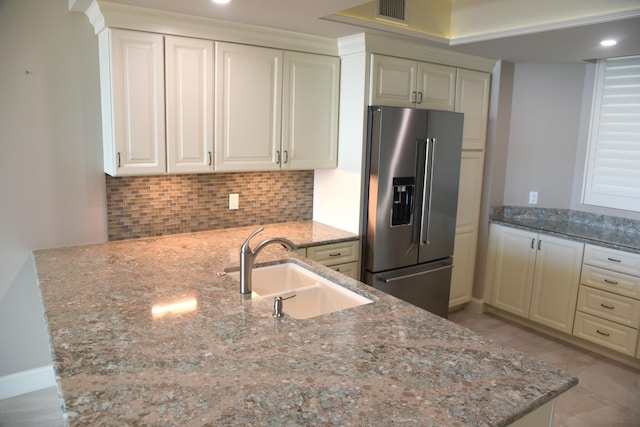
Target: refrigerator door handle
428 183
393 279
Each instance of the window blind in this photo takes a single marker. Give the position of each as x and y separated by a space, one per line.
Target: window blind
612 175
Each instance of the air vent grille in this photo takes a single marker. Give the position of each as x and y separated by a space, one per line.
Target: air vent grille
394 10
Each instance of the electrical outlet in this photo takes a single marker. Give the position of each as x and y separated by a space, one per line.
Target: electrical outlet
234 201
533 197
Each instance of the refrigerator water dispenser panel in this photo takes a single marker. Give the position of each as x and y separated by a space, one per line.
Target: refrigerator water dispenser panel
403 194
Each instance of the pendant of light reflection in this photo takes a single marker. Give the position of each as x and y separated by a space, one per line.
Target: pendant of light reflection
221 1
178 307
608 43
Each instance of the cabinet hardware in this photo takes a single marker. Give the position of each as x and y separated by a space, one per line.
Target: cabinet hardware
335 254
610 307
614 260
210 158
277 157
118 159
539 244
413 97
606 334
611 282
533 242
286 157
419 97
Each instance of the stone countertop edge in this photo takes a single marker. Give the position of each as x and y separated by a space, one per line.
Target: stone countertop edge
225 360
600 230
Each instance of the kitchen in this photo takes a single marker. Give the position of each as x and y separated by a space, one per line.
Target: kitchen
53 163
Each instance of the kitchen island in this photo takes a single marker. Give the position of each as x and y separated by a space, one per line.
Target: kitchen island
146 332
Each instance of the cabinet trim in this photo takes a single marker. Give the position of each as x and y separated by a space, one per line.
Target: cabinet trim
103 14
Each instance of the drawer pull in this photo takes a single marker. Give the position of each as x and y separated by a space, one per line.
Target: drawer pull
335 254
614 260
611 282
610 307
606 334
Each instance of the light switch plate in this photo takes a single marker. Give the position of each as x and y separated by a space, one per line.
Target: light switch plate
234 201
533 197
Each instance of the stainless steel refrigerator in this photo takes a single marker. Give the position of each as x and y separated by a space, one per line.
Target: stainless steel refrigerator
411 197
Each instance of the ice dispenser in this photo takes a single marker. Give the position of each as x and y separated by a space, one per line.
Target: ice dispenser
403 194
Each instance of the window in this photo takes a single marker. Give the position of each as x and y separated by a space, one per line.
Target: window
612 175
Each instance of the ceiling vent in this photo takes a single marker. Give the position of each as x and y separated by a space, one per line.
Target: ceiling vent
392 10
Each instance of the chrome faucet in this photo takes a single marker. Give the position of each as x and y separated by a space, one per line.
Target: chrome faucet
248 257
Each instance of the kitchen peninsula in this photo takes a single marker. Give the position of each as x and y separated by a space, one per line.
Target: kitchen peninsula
145 332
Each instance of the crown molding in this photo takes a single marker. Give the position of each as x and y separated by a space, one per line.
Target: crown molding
412 49
629 14
104 14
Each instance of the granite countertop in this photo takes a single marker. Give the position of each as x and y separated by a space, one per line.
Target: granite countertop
225 360
602 230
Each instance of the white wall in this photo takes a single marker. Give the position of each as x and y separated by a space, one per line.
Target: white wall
548 137
337 192
51 181
543 137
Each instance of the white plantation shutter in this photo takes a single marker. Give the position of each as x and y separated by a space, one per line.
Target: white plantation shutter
612 176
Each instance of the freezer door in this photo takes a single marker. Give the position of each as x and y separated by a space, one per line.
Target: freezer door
439 189
395 136
426 286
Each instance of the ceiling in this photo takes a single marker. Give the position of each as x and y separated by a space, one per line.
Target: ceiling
571 44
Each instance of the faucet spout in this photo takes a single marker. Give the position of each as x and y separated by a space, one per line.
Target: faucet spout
248 257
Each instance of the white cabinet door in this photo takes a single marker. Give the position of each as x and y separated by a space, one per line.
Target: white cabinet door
310 111
133 113
436 86
535 276
464 254
248 107
393 81
472 99
555 282
400 82
189 91
469 198
513 268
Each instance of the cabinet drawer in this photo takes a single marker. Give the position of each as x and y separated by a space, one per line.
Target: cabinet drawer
349 269
609 306
611 281
334 253
612 259
608 334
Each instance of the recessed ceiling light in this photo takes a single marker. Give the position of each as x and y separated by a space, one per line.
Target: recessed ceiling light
221 1
609 42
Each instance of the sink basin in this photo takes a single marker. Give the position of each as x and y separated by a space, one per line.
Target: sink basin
314 295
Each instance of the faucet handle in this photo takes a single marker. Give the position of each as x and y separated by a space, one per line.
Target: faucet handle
245 245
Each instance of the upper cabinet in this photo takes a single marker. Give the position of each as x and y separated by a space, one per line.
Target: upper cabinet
133 110
310 100
174 104
189 98
275 109
248 107
403 82
472 99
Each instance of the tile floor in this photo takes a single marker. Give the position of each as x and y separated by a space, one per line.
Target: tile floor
608 394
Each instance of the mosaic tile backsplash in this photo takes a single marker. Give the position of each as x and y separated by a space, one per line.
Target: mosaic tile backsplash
146 206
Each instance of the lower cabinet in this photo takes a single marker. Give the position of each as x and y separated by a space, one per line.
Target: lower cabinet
342 257
608 310
534 275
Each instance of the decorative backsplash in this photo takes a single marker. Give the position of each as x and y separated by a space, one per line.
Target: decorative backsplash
146 206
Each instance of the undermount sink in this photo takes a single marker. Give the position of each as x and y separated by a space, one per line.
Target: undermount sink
314 295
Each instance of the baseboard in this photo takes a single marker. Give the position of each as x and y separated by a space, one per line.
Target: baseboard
476 306
27 381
